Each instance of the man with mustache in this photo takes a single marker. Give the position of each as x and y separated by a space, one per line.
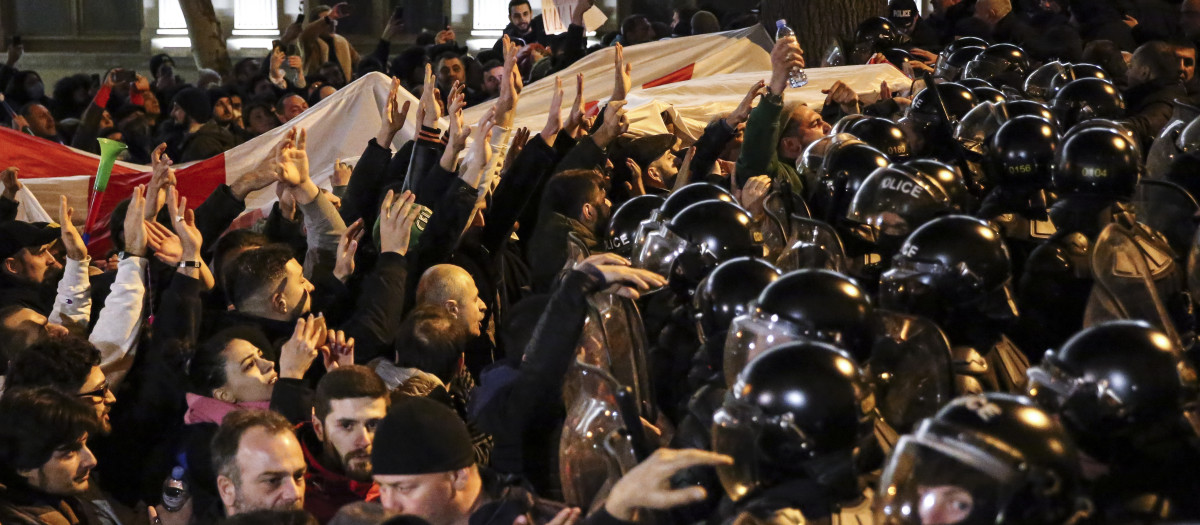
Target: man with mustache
45 462
350 402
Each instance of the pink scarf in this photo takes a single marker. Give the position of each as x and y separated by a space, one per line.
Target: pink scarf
209 410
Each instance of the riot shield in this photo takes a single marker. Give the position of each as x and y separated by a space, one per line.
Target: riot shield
910 369
623 341
782 207
1136 277
1169 209
814 245
1165 148
595 449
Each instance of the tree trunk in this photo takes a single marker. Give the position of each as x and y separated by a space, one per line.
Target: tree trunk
208 41
818 23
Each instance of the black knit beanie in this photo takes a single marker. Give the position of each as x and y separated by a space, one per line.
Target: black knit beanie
421 436
194 102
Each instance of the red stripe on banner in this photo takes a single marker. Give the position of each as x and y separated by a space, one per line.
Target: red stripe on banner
682 74
589 107
195 182
39 158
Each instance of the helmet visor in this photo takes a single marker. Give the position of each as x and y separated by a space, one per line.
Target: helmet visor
934 482
660 250
750 335
736 434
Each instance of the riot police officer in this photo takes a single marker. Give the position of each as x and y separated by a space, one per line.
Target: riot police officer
1094 170
991 458
929 127
794 424
1018 164
1128 398
955 271
625 223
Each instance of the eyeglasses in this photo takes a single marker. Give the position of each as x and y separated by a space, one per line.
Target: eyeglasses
101 392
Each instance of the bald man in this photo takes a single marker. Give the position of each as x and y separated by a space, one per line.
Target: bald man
453 289
1005 25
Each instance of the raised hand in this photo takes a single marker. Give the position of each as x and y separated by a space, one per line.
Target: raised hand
742 112
338 350
623 72
458 134
685 169
72 241
184 221
431 106
161 177
615 124
291 161
628 281
554 122
135 224
510 86
843 95
575 119
754 194
167 246
394 116
298 353
341 173
347 248
396 217
648 485
479 156
786 55
636 186
11 181
520 139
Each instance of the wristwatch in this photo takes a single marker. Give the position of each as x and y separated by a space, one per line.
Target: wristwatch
772 97
188 264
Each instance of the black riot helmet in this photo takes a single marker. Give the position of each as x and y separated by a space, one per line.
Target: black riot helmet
954 46
1071 72
691 194
1119 389
989 94
957 98
1037 84
809 163
696 240
816 305
795 412
897 57
948 177
893 202
1001 64
991 458
1097 161
625 223
972 83
884 134
845 166
728 291
1087 98
873 35
951 264
1021 153
977 127
950 65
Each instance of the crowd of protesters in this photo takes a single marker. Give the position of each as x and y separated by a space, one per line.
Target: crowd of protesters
401 346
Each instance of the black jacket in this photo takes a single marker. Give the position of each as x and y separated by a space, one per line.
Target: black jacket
208 141
1149 107
525 412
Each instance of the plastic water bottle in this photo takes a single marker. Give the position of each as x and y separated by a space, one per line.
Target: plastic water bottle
175 491
796 77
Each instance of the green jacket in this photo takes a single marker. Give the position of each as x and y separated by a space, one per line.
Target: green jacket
760 147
